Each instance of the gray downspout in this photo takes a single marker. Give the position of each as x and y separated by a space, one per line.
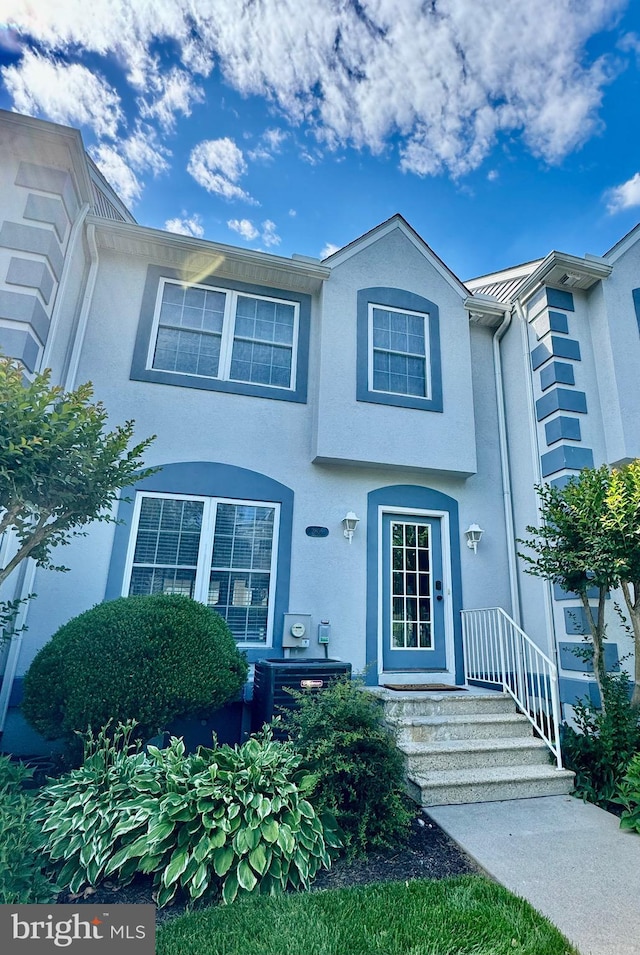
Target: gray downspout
505 469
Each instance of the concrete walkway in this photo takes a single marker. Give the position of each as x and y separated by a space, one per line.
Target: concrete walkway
568 858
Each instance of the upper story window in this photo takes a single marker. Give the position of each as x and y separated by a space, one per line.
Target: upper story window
219 333
223 336
220 552
398 349
398 345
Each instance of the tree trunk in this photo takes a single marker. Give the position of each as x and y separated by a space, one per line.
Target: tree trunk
633 607
597 628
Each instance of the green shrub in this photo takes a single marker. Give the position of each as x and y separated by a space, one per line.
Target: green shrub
22 880
600 750
342 737
629 796
78 813
219 820
150 659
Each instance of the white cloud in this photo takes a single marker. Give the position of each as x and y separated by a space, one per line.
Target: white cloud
444 80
117 172
329 249
625 196
269 235
269 145
188 225
9 40
176 94
67 94
143 151
244 227
293 213
217 165
249 231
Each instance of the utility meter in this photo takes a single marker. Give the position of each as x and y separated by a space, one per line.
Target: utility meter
295 632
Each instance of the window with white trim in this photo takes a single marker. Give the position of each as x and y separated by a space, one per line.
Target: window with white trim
399 351
219 551
226 335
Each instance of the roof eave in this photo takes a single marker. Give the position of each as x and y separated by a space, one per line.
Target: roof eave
566 272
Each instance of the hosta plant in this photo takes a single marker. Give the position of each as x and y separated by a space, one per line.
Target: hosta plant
230 819
22 879
78 813
219 820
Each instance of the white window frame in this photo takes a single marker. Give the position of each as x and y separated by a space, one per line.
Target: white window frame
427 350
227 336
205 550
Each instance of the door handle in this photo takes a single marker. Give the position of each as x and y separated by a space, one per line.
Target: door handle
439 588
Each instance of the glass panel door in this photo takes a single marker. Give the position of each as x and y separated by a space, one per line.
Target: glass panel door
413 596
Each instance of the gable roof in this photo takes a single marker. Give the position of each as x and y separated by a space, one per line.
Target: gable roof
397 221
505 284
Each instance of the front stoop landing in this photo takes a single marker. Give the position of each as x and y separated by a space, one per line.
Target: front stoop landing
468 748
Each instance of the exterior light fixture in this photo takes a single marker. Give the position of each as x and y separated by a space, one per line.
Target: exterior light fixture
473 534
349 524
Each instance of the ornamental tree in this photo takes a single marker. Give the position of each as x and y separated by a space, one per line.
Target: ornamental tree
60 468
590 538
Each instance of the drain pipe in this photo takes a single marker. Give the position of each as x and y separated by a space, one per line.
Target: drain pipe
537 470
504 467
25 586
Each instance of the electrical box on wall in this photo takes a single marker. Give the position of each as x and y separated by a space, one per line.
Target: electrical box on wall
296 630
324 631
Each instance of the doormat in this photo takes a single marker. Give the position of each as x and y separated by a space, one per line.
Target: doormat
425 687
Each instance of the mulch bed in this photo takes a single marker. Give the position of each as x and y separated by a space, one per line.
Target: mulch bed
428 854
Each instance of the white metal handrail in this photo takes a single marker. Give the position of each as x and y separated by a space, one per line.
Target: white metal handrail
498 652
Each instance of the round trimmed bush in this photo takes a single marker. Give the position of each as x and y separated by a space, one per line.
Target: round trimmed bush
151 659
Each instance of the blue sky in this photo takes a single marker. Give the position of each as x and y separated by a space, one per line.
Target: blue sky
501 129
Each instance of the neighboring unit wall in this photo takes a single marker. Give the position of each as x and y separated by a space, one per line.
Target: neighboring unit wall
43 191
569 412
615 321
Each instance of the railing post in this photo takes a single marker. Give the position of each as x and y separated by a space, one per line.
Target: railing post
501 640
555 709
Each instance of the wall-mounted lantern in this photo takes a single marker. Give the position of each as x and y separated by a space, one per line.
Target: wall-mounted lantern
473 534
349 524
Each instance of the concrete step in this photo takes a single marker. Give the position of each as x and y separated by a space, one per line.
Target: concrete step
489 784
403 705
423 729
424 758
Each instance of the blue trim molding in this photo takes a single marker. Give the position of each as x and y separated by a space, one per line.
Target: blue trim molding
551 322
555 347
397 298
421 499
572 660
559 298
566 456
573 691
209 479
140 372
557 373
560 594
636 304
562 427
561 399
575 621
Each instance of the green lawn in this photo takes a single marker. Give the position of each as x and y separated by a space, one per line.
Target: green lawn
467 915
